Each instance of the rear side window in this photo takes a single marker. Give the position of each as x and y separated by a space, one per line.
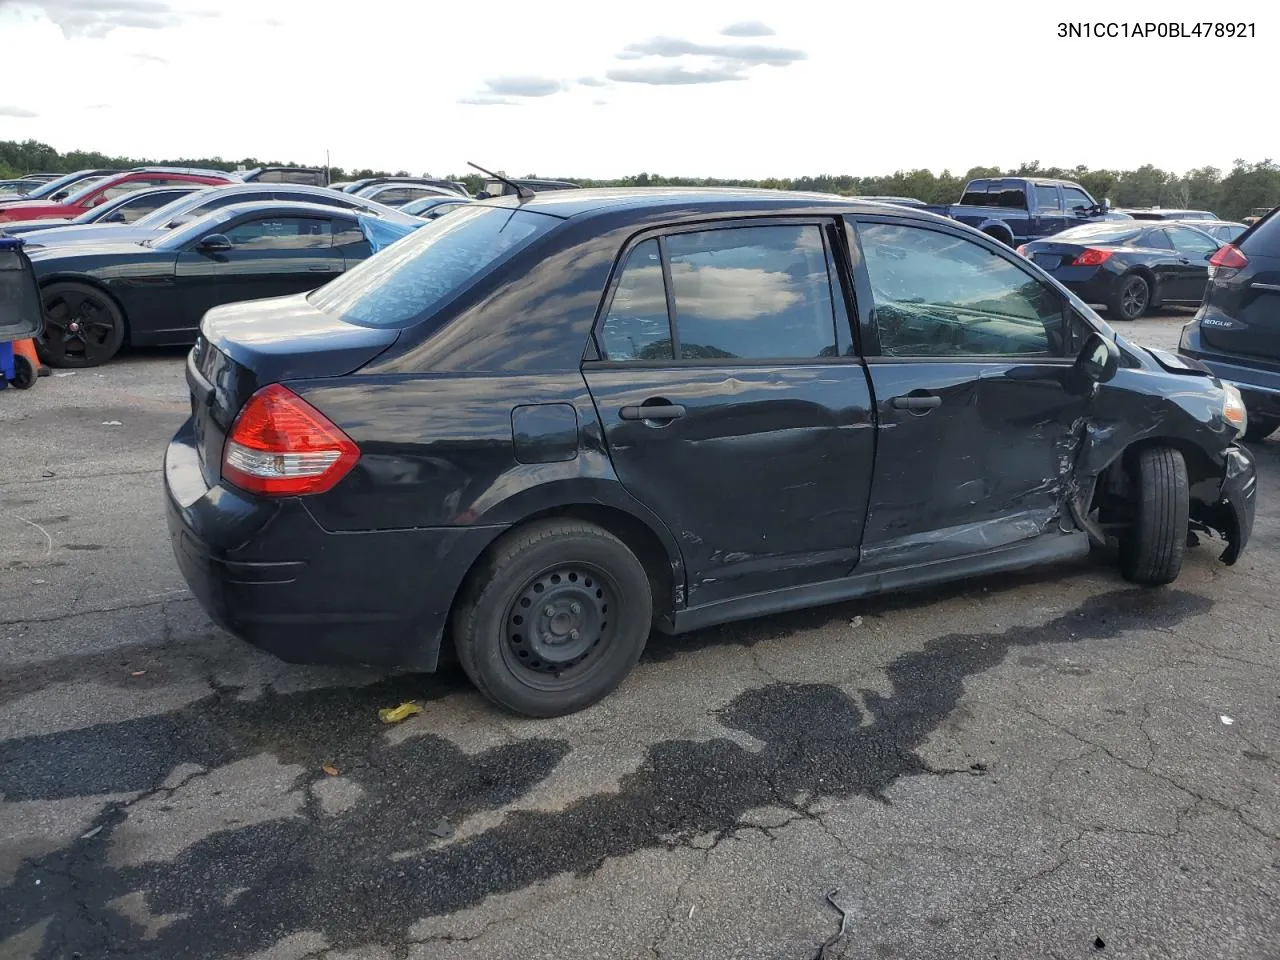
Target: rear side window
407 281
1047 197
744 293
1156 240
1014 198
975 195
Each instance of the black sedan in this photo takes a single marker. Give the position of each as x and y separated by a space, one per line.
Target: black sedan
97 297
1128 266
550 424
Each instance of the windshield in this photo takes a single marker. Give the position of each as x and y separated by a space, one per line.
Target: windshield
161 216
1101 233
408 280
84 189
53 186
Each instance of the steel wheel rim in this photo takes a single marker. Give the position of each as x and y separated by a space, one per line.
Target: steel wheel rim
1134 298
548 644
78 326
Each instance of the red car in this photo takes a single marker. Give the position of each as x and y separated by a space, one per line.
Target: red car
108 188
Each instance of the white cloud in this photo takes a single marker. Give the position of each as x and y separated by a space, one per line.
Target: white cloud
21 113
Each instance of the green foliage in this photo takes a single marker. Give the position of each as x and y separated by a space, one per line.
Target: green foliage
1232 196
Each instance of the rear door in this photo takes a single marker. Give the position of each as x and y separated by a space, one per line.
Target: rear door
1193 251
733 404
1241 314
1051 217
970 357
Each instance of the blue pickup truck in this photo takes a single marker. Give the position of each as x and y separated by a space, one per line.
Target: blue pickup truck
1015 210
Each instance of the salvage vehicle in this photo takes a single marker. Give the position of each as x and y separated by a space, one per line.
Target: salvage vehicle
1235 332
519 434
97 297
429 208
124 209
1224 231
359 186
398 194
1016 210
59 188
1130 266
196 205
310 176
108 188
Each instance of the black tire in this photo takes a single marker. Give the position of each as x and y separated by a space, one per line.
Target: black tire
1260 427
25 373
1131 298
554 619
1151 552
1000 237
83 326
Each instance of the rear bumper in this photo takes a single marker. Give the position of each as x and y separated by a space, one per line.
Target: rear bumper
1259 386
268 573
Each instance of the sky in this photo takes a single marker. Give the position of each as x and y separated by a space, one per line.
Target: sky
714 88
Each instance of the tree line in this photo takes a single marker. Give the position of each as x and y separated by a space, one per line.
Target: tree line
1231 194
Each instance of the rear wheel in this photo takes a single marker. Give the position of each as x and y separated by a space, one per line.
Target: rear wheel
554 619
83 326
1152 549
1259 428
1131 298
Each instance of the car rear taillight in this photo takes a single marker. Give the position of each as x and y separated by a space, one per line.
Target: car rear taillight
1229 257
1021 251
1091 257
281 446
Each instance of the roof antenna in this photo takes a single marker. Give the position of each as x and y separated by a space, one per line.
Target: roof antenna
523 192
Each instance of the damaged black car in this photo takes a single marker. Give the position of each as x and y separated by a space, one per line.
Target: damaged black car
539 428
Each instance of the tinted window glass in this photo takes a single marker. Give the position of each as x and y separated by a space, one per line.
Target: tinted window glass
405 282
636 326
217 202
752 293
280 233
975 195
1155 240
1191 241
1075 197
1047 198
348 236
938 295
1012 197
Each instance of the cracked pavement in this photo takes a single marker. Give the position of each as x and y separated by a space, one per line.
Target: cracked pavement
1050 764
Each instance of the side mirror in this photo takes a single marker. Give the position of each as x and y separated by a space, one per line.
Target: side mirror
482 195
1106 204
1099 360
213 243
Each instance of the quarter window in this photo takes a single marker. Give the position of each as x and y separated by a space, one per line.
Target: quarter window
281 233
940 295
637 326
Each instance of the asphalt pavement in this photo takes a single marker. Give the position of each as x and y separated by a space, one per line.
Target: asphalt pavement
1051 764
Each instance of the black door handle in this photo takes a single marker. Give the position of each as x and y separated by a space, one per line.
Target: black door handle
663 411
322 268
916 403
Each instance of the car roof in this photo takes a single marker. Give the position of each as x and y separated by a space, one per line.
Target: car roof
690 202
281 206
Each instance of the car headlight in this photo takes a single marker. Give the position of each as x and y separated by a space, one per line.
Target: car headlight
1233 409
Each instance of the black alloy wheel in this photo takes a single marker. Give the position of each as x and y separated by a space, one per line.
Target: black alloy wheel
83 326
1132 299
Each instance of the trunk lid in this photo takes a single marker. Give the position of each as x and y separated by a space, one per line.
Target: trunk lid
1048 255
245 346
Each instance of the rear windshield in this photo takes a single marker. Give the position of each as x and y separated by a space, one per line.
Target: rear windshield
405 282
1101 233
1263 237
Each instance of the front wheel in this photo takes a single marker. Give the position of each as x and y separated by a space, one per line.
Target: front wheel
1131 298
83 326
554 619
1152 549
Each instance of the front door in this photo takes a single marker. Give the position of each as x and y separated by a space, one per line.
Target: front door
971 361
1193 250
734 408
273 256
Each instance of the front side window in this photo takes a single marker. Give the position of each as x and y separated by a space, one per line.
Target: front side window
281 233
940 295
744 293
1076 199
1191 242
